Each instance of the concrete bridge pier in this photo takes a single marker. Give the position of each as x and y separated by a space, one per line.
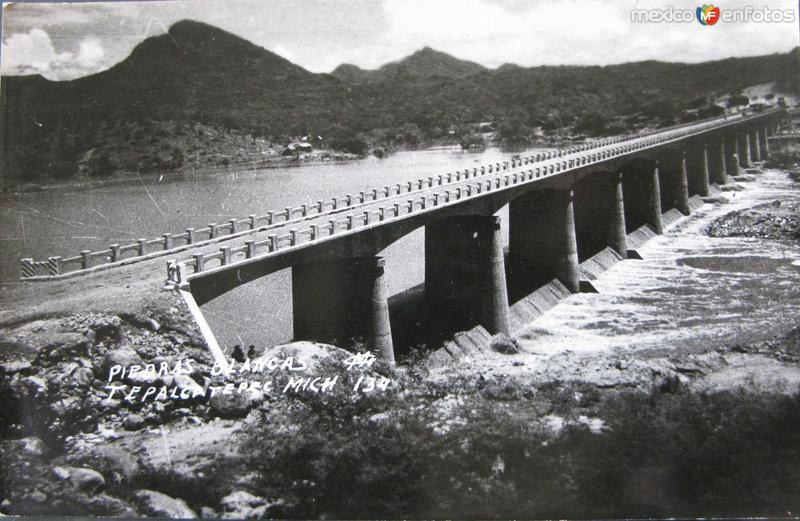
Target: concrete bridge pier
744 149
335 300
465 278
732 160
542 243
755 145
697 164
764 141
600 215
642 196
674 181
716 162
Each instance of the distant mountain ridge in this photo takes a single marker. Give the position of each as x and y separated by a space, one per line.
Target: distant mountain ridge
197 73
424 63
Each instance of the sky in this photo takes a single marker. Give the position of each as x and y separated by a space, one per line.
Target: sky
63 41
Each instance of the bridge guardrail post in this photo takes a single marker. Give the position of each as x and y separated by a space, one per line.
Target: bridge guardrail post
54 265
114 252
271 217
199 262
251 249
273 243
252 219
212 230
27 268
167 241
141 245
232 224
226 255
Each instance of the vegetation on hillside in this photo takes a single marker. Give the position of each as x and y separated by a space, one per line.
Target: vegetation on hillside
200 75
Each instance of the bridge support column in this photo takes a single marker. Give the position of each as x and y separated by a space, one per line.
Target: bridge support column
765 142
697 164
732 160
716 162
674 183
600 215
465 277
336 300
744 149
756 144
542 243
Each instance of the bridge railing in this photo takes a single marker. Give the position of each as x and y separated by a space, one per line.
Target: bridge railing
193 237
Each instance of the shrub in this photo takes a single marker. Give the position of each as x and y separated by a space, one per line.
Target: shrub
101 165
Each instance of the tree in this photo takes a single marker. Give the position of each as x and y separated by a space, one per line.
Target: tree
593 124
737 100
473 141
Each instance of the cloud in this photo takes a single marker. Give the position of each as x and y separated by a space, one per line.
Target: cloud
30 53
90 53
34 53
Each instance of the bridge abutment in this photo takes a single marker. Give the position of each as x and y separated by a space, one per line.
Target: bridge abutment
542 242
600 215
335 300
465 278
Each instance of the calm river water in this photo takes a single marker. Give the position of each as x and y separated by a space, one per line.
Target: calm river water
66 220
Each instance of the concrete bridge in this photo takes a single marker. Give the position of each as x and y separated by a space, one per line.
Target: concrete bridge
564 208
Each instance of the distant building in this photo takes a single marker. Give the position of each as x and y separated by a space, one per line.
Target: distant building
293 149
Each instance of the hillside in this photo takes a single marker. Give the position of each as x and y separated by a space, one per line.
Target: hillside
425 63
197 74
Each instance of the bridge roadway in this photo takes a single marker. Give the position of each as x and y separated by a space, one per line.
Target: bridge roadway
564 207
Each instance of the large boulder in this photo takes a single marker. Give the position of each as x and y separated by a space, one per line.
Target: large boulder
183 381
133 422
32 446
161 505
243 505
124 356
308 354
232 405
66 345
504 344
83 479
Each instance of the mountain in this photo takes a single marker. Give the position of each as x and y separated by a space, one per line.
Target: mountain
197 74
424 63
349 73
